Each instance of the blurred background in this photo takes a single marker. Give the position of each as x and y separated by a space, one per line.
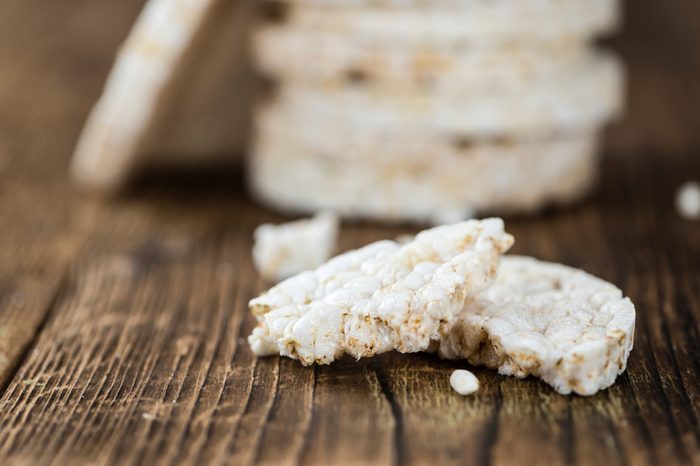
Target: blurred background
55 59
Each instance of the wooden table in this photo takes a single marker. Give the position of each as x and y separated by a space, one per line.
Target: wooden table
122 323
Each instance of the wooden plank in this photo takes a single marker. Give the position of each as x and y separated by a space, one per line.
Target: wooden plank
143 360
132 338
41 222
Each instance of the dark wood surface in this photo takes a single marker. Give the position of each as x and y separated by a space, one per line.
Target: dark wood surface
122 322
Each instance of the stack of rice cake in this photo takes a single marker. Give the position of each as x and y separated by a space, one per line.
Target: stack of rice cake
433 110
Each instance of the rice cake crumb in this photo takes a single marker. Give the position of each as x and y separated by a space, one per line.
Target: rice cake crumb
464 382
688 200
281 251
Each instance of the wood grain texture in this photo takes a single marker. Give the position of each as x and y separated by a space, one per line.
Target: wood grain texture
122 323
43 76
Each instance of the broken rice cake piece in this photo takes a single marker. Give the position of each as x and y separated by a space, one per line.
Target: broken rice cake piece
572 330
382 297
281 251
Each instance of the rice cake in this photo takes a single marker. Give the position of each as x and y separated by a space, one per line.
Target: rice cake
294 55
494 22
381 297
179 93
572 330
590 96
445 182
